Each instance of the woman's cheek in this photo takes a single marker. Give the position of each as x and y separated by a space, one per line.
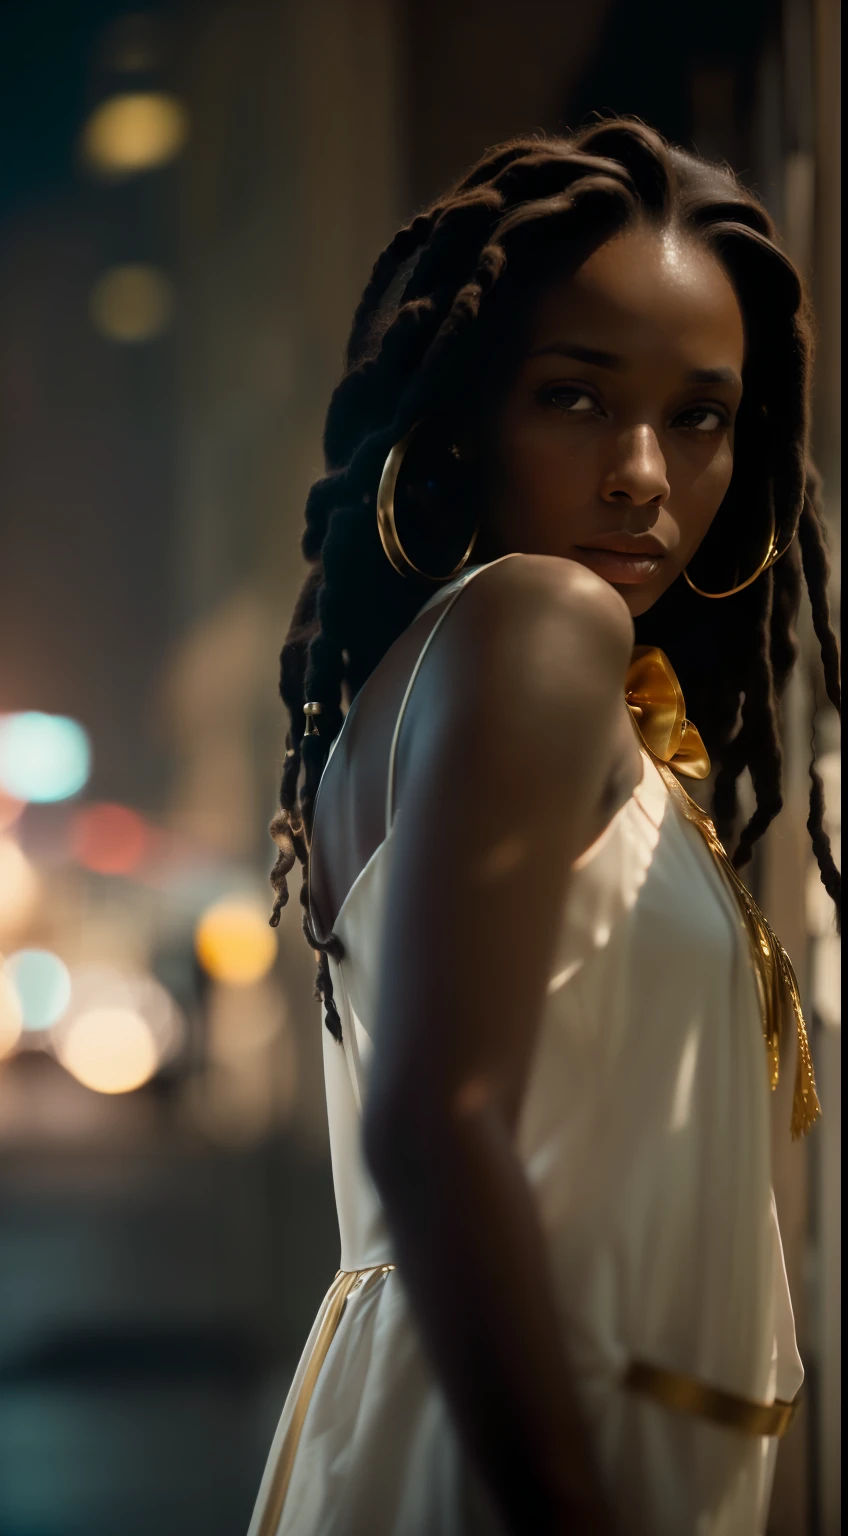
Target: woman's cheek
704 494
721 473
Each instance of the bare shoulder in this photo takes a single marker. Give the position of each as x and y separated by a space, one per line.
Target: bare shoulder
517 595
539 629
533 656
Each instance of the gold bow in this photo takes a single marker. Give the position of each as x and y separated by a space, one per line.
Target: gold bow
655 700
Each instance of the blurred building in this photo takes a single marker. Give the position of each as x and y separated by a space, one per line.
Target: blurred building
192 204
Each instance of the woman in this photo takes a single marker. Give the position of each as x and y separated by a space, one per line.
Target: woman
576 388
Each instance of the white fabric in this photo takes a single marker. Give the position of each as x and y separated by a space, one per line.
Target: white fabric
644 1135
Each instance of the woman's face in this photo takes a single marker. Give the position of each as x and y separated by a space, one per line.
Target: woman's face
613 444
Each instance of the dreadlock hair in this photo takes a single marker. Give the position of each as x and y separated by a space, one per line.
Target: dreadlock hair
432 326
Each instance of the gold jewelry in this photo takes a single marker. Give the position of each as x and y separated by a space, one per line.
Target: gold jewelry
386 523
772 554
310 711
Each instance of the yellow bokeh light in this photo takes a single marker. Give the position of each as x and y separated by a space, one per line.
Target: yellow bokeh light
234 943
18 886
11 1022
111 1050
134 132
132 303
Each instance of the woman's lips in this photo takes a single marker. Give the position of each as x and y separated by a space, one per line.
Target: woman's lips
617 567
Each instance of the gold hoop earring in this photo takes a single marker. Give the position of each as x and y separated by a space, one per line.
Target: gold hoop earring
771 556
387 524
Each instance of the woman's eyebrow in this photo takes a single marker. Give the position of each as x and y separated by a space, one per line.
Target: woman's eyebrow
601 359
579 354
714 376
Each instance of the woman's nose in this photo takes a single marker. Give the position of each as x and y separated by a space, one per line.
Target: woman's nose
638 472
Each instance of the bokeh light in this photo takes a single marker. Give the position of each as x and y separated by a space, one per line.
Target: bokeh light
244 1021
147 1028
109 839
234 943
43 757
111 1050
11 810
132 303
18 886
161 1014
11 1020
134 132
43 986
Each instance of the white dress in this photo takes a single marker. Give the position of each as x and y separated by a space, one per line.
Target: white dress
644 1135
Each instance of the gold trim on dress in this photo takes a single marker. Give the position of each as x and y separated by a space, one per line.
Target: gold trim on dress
684 1394
671 1389
658 712
345 1282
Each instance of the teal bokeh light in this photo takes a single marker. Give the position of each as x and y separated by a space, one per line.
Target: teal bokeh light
43 757
42 984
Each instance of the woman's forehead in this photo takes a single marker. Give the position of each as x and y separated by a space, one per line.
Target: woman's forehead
644 287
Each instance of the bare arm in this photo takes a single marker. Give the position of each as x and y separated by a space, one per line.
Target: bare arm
502 762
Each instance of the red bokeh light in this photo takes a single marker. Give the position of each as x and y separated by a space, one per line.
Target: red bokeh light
110 839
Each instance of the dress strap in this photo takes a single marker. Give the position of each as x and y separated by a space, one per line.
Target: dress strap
459 585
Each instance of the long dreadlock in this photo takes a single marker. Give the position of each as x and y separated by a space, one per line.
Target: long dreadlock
529 209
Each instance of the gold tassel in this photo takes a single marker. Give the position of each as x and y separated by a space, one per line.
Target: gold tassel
777 984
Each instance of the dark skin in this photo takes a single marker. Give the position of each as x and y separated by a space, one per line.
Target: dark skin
523 686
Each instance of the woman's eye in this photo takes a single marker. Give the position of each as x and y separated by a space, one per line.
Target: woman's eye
703 418
575 401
